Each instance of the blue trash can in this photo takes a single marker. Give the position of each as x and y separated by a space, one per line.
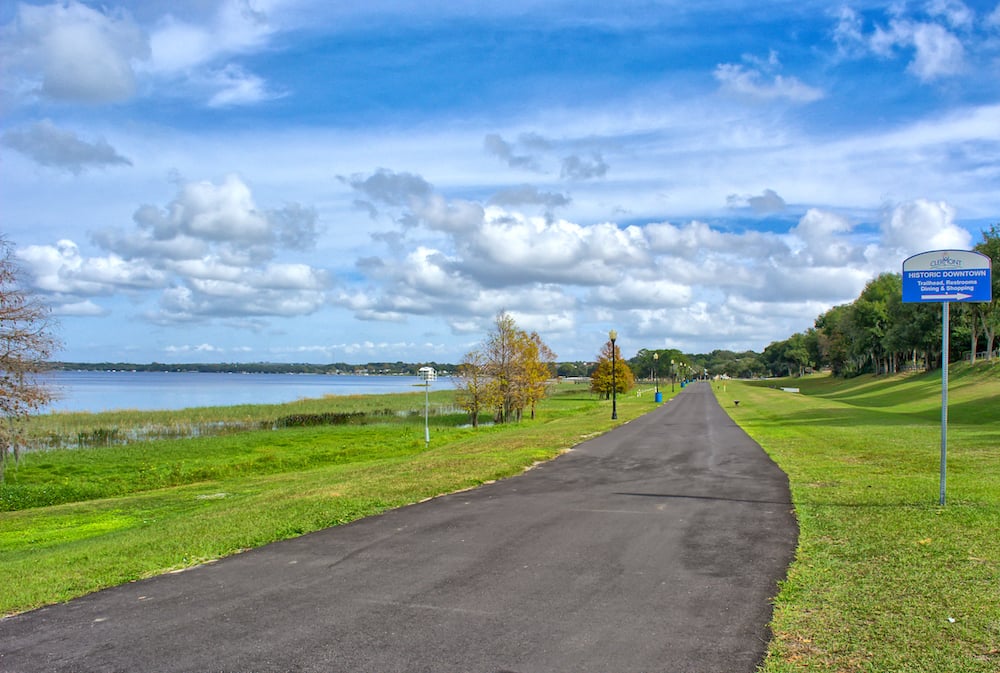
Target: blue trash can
658 397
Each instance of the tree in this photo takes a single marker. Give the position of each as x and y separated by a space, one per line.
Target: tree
835 345
475 391
507 374
26 344
539 362
989 314
601 379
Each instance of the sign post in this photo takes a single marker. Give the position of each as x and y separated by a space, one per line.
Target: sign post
945 276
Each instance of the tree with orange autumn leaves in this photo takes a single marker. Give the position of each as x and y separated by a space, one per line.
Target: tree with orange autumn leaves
601 379
507 374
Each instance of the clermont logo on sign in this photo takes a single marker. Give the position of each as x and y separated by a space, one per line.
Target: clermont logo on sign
947 275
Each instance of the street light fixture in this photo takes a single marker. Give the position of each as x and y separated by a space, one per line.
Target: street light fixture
428 375
656 378
673 375
613 335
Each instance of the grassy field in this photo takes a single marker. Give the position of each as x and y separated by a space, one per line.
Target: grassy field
78 520
885 579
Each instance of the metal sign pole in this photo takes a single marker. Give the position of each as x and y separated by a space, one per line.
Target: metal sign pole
945 329
946 276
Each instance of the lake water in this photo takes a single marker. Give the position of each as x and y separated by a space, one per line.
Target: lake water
103 391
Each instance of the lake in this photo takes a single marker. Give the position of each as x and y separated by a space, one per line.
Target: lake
104 391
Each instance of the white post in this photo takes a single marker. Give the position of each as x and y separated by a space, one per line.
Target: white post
427 374
427 407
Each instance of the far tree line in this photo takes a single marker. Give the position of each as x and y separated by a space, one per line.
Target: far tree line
878 334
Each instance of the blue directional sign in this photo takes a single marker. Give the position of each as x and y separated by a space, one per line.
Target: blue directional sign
946 276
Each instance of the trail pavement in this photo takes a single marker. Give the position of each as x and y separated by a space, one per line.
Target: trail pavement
655 547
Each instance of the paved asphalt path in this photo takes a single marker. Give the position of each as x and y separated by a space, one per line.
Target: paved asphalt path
655 547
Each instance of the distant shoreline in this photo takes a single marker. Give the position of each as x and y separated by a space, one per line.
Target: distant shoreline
332 369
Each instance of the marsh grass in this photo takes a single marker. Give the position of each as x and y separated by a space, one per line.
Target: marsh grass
83 429
884 578
84 519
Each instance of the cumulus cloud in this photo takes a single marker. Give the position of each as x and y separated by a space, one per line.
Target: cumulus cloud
412 201
209 253
767 202
922 225
385 187
660 277
51 146
577 168
637 293
62 269
823 238
68 51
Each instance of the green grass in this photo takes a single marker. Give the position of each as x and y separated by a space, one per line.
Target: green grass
884 578
75 429
85 519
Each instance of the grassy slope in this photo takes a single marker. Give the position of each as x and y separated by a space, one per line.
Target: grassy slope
129 513
885 579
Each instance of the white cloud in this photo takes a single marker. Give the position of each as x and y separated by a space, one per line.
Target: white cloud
848 34
823 237
196 57
210 253
955 12
505 151
767 202
994 17
510 247
198 348
453 216
237 27
51 146
235 86
67 51
937 51
636 292
62 270
922 225
85 308
586 168
757 84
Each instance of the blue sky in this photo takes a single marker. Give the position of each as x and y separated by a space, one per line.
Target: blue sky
302 180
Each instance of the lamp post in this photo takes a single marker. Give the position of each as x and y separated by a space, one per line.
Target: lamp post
656 378
614 383
427 374
673 375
